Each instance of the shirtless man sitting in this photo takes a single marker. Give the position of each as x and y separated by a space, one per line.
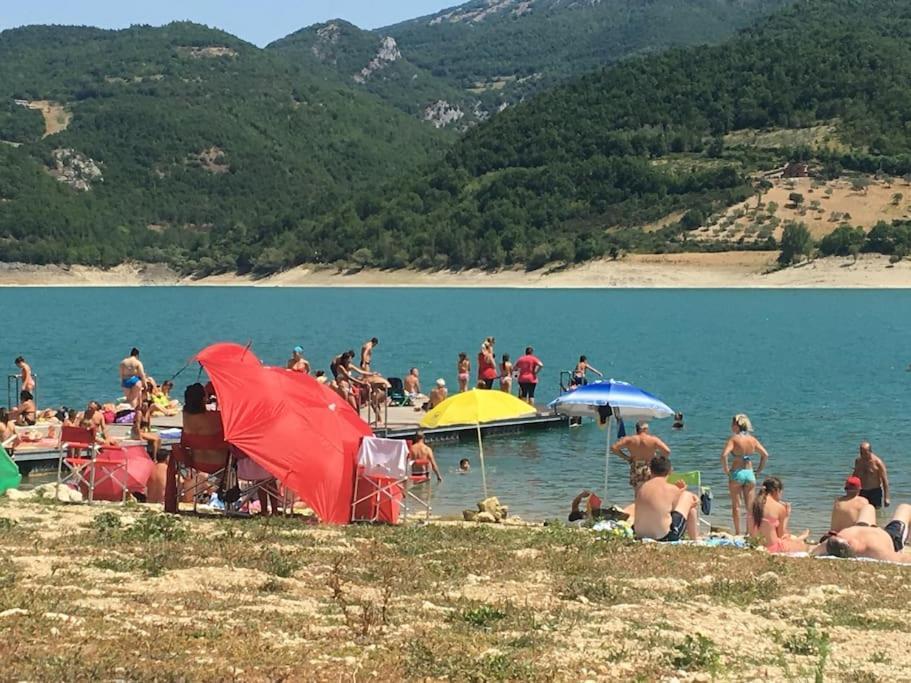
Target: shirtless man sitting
132 378
664 511
848 508
412 383
864 539
639 451
874 479
438 394
422 455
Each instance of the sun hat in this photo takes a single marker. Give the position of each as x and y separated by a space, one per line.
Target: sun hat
441 382
298 349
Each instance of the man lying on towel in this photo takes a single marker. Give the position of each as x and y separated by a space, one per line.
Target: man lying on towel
865 539
665 511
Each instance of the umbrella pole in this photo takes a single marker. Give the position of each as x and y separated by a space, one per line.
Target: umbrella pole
483 470
607 455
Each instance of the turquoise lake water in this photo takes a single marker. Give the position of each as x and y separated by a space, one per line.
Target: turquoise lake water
817 371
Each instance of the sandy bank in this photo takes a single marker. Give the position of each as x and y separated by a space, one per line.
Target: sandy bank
695 270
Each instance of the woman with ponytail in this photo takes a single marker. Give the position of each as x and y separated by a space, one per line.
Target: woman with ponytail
769 519
741 476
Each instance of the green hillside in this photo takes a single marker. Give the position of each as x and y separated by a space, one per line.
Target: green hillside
504 50
178 140
578 171
365 60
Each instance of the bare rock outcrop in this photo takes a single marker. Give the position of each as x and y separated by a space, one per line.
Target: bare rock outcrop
387 54
442 114
75 169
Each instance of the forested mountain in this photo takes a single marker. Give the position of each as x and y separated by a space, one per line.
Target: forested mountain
463 65
578 171
152 143
503 50
373 62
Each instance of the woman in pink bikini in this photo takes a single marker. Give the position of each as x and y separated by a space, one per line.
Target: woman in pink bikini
770 520
463 368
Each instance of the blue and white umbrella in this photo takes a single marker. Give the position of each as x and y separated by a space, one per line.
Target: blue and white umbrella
610 399
627 402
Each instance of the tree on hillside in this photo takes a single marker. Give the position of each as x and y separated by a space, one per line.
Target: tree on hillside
796 243
843 241
796 198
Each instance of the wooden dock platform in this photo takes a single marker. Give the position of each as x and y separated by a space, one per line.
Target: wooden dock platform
404 423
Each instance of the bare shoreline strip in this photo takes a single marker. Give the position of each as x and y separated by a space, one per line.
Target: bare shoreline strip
728 270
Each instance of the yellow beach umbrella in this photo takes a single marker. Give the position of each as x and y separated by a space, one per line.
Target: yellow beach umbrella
477 407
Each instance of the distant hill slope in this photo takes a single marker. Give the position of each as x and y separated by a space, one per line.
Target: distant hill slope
503 50
580 171
165 140
373 62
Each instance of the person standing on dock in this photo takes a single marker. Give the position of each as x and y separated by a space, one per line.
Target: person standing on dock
367 352
638 452
527 369
297 362
874 478
463 368
27 377
132 378
487 366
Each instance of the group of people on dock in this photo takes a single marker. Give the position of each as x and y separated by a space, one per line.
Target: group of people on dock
664 512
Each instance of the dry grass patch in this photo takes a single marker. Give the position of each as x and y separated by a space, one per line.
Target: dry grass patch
108 592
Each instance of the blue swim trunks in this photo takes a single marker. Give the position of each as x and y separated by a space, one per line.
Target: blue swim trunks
743 476
130 382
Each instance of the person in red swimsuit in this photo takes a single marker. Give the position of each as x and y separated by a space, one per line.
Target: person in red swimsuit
487 366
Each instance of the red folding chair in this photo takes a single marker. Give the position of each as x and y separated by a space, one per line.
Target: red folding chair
86 469
182 457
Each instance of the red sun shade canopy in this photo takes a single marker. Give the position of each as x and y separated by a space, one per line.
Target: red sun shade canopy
299 430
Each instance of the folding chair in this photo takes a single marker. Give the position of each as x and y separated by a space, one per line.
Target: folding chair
86 469
383 483
182 458
693 479
396 392
257 480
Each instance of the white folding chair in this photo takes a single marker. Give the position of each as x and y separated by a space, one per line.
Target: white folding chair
383 484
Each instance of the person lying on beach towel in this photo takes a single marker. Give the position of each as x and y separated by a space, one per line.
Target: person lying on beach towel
665 511
864 539
769 517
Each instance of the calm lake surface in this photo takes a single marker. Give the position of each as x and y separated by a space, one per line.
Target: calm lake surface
817 371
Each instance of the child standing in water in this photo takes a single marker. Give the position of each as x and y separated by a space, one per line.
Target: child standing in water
463 369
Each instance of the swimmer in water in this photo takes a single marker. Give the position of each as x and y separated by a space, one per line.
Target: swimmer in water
464 466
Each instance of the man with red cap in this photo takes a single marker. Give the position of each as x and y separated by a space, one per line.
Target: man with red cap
848 508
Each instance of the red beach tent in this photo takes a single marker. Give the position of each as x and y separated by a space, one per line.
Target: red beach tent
297 429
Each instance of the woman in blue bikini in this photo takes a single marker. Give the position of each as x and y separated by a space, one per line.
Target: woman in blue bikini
741 476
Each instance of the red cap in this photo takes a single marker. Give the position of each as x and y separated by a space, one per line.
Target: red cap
852 483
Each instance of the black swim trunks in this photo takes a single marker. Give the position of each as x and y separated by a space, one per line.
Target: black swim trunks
875 496
897 530
678 527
